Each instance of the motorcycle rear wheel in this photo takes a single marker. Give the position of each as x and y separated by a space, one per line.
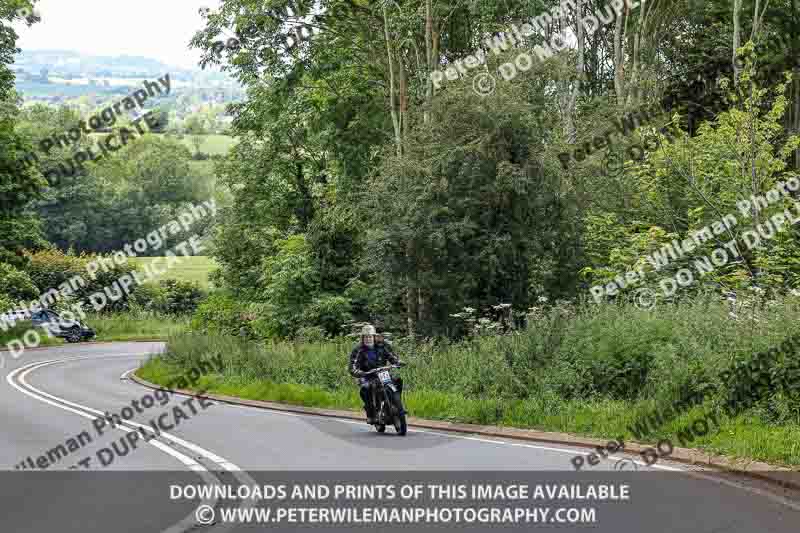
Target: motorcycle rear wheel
380 428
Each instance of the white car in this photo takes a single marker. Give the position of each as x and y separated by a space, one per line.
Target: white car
12 317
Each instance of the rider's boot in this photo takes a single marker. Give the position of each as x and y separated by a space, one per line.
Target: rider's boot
371 419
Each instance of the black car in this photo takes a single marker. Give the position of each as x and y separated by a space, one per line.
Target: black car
70 330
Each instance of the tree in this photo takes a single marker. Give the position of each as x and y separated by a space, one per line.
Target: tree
427 199
20 182
195 127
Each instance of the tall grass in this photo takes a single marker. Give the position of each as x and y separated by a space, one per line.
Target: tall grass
593 372
136 325
19 331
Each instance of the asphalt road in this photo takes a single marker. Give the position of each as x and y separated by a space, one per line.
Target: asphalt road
95 477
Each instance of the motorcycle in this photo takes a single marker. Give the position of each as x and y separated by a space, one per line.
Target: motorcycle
387 401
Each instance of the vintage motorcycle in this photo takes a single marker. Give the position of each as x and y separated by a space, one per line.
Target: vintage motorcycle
386 398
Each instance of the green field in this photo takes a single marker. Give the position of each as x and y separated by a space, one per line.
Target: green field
212 144
196 268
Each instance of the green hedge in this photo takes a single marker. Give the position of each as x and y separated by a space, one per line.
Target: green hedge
593 372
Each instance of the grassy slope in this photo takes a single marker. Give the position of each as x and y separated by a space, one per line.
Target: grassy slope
196 268
740 437
18 332
525 380
142 326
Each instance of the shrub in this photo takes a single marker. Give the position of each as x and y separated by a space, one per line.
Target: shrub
50 268
330 313
146 297
179 297
310 334
53 269
6 303
291 280
16 284
108 278
221 313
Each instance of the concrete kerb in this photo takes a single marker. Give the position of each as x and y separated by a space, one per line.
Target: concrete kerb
754 469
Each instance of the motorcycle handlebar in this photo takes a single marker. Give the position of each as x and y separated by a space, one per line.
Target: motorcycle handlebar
376 370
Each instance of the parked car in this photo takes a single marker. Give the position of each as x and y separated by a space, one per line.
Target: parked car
12 317
70 330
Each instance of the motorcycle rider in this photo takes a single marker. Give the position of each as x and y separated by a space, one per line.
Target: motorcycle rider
370 353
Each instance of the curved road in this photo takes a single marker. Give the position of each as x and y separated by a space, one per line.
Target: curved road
53 401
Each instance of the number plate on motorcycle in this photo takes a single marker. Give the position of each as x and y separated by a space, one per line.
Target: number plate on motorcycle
384 376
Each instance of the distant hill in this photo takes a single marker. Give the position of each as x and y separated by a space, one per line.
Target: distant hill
66 63
59 75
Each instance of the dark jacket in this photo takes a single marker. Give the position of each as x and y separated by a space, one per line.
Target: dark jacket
359 361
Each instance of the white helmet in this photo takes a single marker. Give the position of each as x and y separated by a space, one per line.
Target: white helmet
368 335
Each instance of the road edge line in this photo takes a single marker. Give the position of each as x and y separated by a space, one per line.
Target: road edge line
747 468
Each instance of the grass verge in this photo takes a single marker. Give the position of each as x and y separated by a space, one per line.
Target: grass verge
742 437
594 373
19 332
136 326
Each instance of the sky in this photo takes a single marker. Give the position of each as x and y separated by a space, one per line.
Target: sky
158 29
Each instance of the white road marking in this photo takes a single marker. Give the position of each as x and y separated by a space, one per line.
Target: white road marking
237 471
191 446
574 451
187 461
753 490
189 522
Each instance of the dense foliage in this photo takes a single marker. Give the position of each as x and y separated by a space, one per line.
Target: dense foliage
361 184
579 370
100 207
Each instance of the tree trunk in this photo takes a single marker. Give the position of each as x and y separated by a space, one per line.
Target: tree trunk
411 301
737 30
398 134
429 59
619 62
572 88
